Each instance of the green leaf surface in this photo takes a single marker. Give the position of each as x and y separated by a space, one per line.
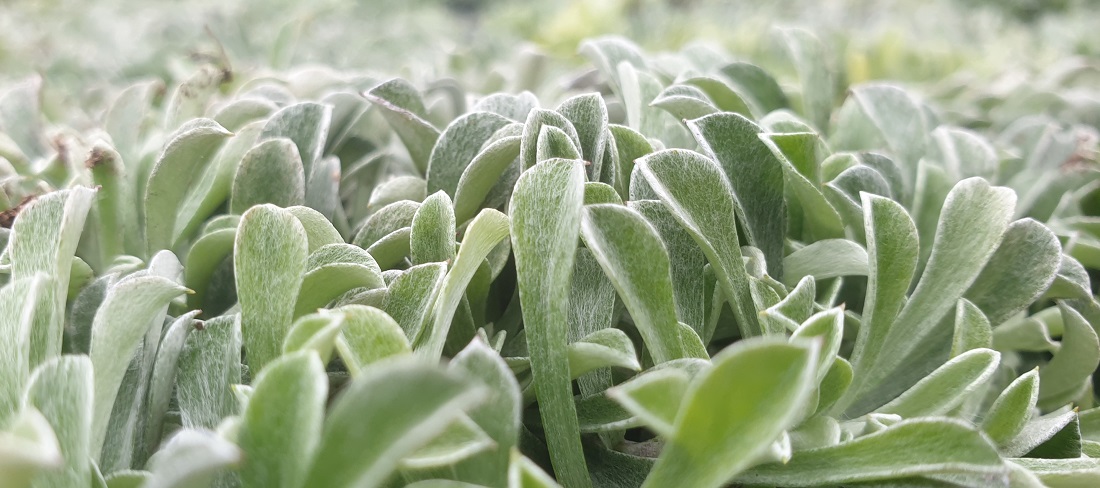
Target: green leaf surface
27 446
1011 410
756 177
482 173
700 198
369 335
946 387
404 110
189 151
281 426
208 365
498 416
654 398
826 259
1061 379
61 391
918 447
384 415
191 459
618 238
772 380
269 258
119 326
483 234
546 219
972 329
271 172
457 148
1020 270
331 271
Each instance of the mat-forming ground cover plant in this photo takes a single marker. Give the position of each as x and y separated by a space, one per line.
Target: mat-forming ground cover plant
676 271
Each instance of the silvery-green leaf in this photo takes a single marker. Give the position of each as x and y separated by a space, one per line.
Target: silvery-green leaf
654 398
826 259
392 249
899 119
433 230
723 96
191 459
638 89
946 387
600 349
385 221
1062 473
482 174
384 415
457 147
798 305
797 153
118 230
515 107
686 262
269 258
608 51
319 231
546 209
236 114
588 115
43 240
126 478
1038 431
765 373
162 382
188 154
828 328
306 124
892 258
190 98
411 293
810 61
972 329
498 416
209 363
61 390
629 146
700 198
128 118
974 217
1072 280
215 185
482 235
21 117
314 332
927 446
459 441
523 473
859 179
634 258
596 192
413 188
368 336
404 110
1020 270
553 143
203 260
119 326
533 129
963 153
1062 378
1012 409
18 304
28 446
756 177
281 425
271 172
331 271
684 102
322 190
756 86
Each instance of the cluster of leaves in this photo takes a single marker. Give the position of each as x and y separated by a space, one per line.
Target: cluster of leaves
683 274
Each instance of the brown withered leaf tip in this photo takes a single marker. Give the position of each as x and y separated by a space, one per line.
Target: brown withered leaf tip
7 217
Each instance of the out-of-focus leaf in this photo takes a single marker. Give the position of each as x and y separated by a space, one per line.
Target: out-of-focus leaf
271 172
384 415
368 336
1063 378
766 374
404 110
61 390
191 459
282 423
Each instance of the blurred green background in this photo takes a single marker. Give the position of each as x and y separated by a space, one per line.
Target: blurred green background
77 43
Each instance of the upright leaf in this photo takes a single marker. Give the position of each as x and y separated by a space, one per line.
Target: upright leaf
772 380
269 258
61 390
546 220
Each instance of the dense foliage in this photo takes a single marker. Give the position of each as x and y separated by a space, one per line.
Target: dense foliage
659 269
